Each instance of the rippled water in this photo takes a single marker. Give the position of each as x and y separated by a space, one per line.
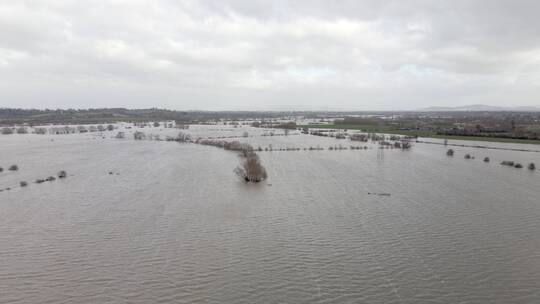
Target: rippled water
172 224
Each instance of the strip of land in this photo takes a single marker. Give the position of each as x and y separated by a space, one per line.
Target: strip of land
418 133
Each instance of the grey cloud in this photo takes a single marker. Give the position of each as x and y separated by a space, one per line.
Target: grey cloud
235 54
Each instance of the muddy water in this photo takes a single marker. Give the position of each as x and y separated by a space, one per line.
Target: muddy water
172 224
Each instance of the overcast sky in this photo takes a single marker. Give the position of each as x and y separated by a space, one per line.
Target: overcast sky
269 55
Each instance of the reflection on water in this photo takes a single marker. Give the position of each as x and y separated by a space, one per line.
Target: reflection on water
175 225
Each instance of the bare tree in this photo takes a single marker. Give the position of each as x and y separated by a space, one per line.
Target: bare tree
251 170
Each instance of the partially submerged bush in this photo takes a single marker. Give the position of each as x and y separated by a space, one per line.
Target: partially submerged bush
518 165
486 159
532 166
40 131
22 130
7 131
1 169
23 184
183 137
251 170
467 156
13 168
62 174
450 152
508 163
405 145
358 137
138 135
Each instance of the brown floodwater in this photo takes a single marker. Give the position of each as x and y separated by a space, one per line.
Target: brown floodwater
172 223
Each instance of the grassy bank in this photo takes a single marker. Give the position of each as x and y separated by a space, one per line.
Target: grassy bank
390 130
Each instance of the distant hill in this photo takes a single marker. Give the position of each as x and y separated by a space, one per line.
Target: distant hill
480 108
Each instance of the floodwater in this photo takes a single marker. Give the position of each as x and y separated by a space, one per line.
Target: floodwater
172 224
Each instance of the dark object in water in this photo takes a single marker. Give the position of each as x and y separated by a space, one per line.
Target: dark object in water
62 174
486 160
50 179
39 181
110 173
519 166
450 152
14 168
532 166
380 194
467 156
1 169
508 163
23 184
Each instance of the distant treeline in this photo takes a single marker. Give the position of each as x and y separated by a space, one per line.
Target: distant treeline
9 117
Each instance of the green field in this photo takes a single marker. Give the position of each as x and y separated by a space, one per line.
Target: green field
390 130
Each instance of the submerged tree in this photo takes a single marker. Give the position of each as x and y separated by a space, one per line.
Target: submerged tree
251 170
532 166
450 152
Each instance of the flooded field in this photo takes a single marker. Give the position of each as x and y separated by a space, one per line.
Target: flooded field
162 222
